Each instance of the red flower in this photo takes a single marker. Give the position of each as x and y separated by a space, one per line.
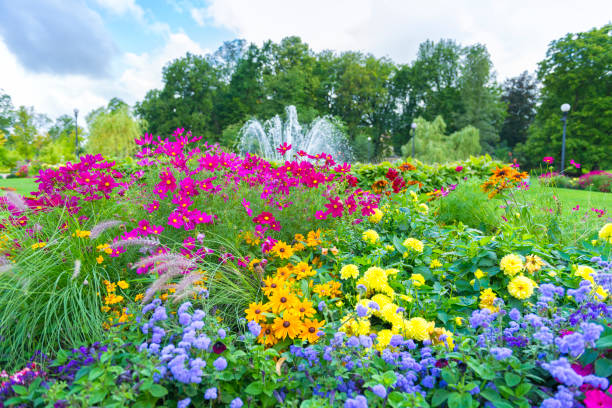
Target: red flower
458 168
264 218
391 174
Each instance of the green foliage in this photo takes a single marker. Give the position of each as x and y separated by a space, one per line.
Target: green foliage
575 71
7 112
520 94
432 145
469 205
112 130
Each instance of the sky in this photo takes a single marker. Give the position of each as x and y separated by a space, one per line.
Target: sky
61 55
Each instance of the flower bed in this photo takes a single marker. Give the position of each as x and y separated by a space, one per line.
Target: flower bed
203 277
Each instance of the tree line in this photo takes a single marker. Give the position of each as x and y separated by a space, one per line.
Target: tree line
377 99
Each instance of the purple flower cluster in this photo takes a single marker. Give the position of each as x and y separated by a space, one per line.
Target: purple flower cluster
77 358
500 353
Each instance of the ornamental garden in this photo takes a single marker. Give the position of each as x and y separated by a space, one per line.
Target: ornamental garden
200 277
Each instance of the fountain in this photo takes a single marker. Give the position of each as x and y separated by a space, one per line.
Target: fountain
322 136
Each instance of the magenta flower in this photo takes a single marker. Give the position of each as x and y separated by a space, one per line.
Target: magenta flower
458 168
334 207
321 215
175 219
548 160
577 165
284 148
247 207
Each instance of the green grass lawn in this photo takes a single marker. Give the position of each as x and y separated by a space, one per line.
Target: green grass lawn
571 198
23 186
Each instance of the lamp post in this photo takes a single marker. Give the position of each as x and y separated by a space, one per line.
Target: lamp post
413 126
76 134
565 109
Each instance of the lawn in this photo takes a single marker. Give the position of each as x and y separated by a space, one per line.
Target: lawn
23 186
571 198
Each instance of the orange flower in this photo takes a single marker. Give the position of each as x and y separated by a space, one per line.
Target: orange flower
284 272
288 325
304 309
314 238
255 312
271 284
311 328
283 299
266 336
304 270
406 167
282 250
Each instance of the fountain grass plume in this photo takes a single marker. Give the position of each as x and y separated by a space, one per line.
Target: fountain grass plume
99 228
17 201
159 283
142 242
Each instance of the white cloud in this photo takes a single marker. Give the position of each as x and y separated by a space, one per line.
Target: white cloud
198 16
516 33
55 95
123 7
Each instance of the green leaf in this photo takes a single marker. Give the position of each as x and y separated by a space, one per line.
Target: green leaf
439 396
20 390
450 376
455 400
512 379
95 373
603 367
604 342
588 357
97 396
254 388
522 389
158 391
495 398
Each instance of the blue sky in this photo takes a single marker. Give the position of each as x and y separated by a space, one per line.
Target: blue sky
57 55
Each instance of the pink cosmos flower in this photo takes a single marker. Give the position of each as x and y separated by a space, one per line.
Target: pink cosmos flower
577 165
321 215
284 148
597 399
548 160
334 207
458 168
247 207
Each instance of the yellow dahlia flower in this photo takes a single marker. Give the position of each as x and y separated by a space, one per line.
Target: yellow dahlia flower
377 216
375 278
383 339
370 236
511 264
418 328
435 264
479 274
349 271
417 279
533 263
521 287
487 298
413 244
605 232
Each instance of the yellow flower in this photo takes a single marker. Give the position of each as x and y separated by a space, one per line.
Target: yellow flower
413 244
479 274
414 195
552 274
383 339
418 328
100 259
459 321
38 245
381 300
533 263
423 208
391 271
521 287
377 216
349 271
487 297
472 282
593 242
370 236
406 298
417 279
601 292
511 264
585 272
389 247
123 284
138 297
282 250
605 232
435 264
375 278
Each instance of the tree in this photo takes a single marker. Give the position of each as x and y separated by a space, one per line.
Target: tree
186 100
7 113
576 70
480 96
112 130
520 94
25 132
432 145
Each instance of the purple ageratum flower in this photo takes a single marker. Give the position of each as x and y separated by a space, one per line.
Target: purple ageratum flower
373 305
184 319
515 314
562 371
353 342
361 288
184 403
379 390
254 328
604 280
210 394
582 293
220 364
591 332
183 308
159 314
322 306
544 336
358 402
366 341
572 344
501 353
429 381
221 333
236 403
475 390
362 311
396 340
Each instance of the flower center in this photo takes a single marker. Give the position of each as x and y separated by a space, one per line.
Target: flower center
286 324
311 329
283 299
